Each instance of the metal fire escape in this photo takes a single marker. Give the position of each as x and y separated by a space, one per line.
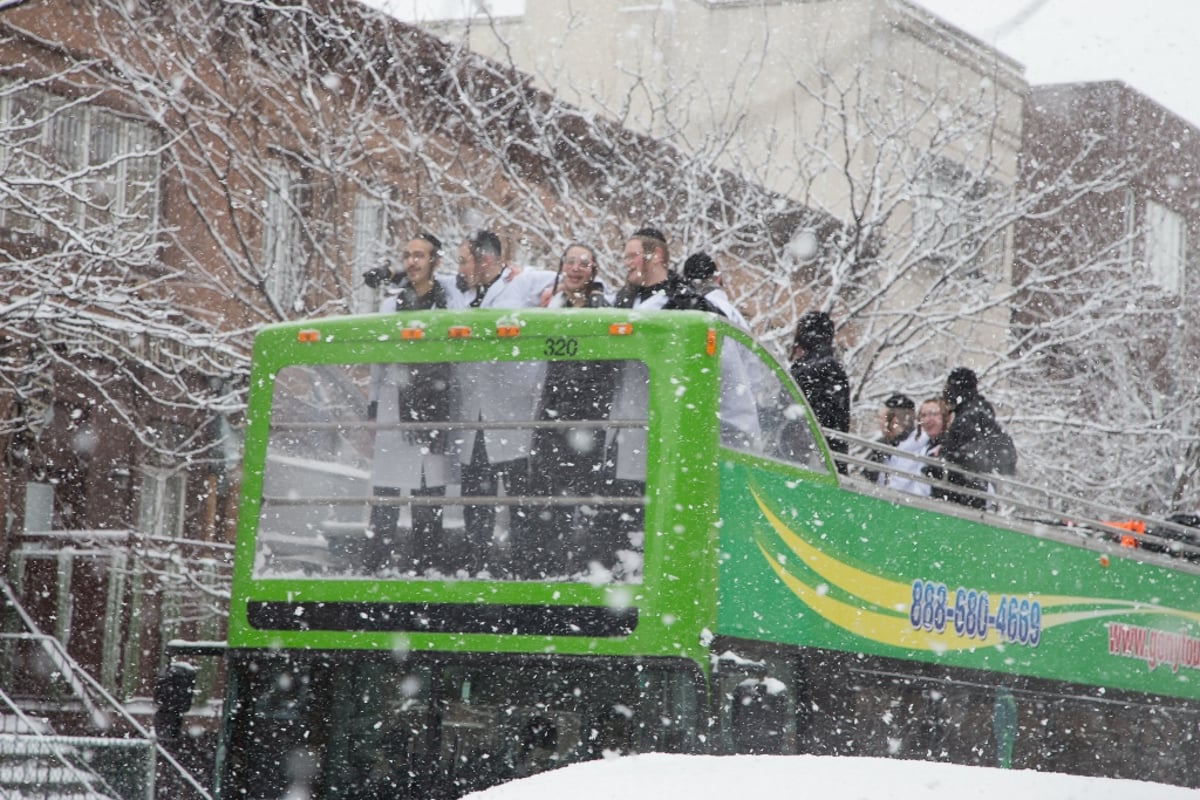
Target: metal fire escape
40 682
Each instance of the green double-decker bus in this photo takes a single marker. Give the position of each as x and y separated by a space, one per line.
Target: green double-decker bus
474 545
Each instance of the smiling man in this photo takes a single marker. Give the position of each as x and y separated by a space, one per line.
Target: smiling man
649 281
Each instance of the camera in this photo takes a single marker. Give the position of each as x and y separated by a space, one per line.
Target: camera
377 276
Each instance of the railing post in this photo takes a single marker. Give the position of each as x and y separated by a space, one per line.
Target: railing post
131 662
110 656
63 606
151 767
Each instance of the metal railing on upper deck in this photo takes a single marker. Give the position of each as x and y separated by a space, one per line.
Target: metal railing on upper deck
1014 503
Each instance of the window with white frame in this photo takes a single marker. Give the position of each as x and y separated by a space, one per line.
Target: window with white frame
1165 246
39 506
283 233
161 502
75 165
371 246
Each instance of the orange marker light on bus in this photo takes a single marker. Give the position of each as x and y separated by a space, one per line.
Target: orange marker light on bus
620 329
710 342
507 331
410 334
1136 528
459 332
308 335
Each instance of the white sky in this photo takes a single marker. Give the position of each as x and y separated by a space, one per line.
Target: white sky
1150 45
660 777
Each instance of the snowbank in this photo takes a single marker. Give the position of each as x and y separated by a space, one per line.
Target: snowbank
658 776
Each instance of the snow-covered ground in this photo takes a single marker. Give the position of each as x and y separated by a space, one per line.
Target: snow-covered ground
660 776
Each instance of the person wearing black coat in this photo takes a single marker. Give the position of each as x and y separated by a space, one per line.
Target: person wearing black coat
415 460
821 377
967 442
650 282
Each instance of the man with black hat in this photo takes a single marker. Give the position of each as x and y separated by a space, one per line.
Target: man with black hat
974 440
700 272
898 429
650 283
821 377
416 461
394 278
496 452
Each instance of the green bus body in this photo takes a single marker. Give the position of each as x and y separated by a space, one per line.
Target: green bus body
756 568
812 569
669 619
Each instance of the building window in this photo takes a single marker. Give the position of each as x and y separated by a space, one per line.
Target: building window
75 166
161 502
371 247
283 234
1165 246
39 507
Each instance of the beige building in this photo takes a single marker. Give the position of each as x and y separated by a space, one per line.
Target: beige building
872 111
761 78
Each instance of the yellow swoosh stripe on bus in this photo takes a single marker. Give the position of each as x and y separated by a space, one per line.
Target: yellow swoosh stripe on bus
893 627
873 625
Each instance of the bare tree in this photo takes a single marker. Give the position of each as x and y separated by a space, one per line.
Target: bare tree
267 153
187 171
895 204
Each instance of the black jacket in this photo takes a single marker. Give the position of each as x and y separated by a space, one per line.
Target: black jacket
964 445
427 395
680 296
824 383
821 377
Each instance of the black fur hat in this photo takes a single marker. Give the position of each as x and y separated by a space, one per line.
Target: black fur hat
699 267
961 385
815 328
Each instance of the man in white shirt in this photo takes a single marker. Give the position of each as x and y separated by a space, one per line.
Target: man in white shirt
499 392
649 285
492 283
898 428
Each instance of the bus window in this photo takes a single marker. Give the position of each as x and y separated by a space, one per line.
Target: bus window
759 415
403 471
569 460
619 527
316 474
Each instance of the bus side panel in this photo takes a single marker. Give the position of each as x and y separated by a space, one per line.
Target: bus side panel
817 566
